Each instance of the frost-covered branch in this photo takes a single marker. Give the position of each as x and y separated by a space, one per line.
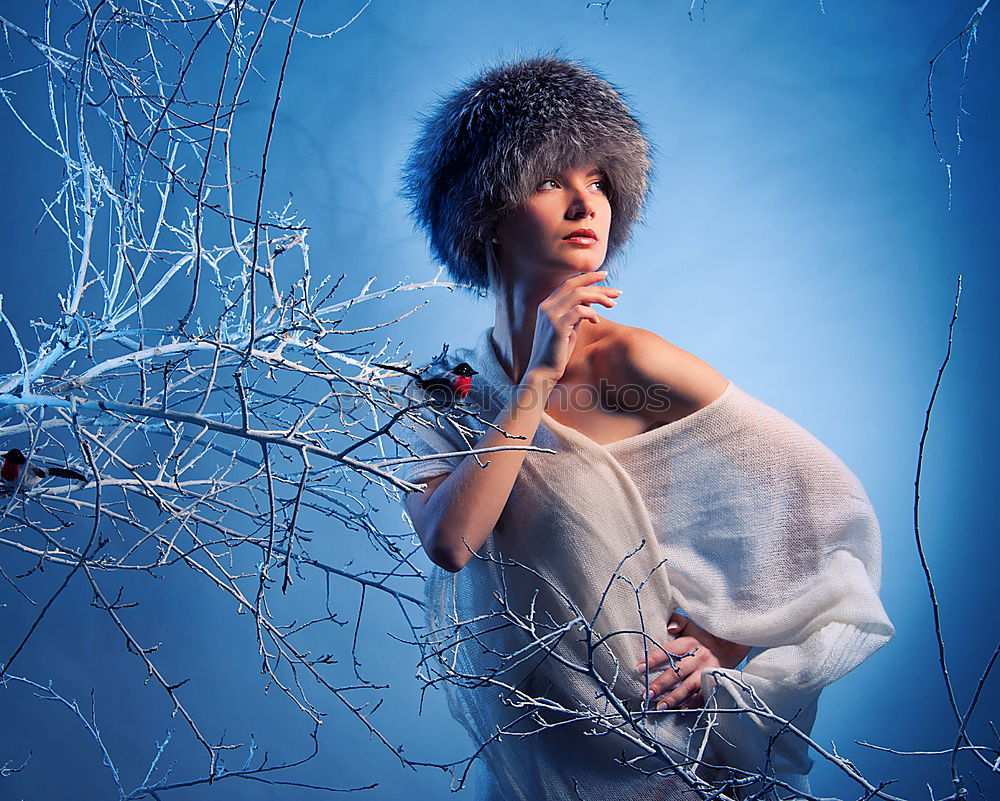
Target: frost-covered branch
237 428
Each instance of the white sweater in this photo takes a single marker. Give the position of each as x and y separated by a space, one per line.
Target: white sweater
735 514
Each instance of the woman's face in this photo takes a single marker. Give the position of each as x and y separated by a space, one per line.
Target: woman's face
534 239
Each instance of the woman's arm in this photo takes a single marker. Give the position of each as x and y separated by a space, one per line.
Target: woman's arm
456 513
455 519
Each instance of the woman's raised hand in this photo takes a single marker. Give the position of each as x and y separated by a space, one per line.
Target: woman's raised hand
693 650
558 317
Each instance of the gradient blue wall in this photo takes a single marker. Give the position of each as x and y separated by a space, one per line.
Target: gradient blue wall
800 240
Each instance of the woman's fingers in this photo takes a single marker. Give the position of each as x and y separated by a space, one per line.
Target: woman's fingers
655 658
679 662
695 701
676 625
578 313
576 306
682 665
659 658
679 692
580 280
582 288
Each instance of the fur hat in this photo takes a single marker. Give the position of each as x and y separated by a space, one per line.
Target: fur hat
486 146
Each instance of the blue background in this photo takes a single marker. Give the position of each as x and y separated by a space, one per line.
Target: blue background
800 240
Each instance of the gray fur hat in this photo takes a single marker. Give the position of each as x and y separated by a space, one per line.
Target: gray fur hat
485 147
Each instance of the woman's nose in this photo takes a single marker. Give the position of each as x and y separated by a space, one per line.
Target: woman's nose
581 203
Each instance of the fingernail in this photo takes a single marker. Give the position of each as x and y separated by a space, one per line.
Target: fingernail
673 627
650 693
640 667
663 705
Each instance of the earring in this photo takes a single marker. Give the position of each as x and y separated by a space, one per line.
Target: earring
496 240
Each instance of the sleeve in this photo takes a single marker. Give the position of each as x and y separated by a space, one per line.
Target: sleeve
782 553
427 433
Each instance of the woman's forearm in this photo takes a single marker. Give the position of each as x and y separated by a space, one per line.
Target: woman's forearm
462 511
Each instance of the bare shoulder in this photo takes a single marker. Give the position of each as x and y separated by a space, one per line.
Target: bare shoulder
630 355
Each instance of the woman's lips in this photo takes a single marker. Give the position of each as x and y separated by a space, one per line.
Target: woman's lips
586 241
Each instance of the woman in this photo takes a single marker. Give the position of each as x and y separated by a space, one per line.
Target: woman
553 604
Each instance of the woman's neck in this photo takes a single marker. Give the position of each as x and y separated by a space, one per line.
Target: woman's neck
514 329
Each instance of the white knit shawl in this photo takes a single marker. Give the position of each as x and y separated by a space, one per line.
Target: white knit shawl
735 514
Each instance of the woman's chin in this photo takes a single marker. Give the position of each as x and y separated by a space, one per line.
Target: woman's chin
558 270
579 267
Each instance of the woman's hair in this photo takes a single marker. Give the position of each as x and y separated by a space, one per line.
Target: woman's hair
486 146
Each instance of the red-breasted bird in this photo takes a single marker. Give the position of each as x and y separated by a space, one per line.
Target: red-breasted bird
15 462
445 389
449 387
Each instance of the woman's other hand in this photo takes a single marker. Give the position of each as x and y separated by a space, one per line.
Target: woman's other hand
693 650
558 318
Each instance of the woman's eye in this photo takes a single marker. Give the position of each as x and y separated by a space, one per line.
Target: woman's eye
601 182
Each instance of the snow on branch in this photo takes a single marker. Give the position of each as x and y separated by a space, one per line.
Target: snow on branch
209 388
